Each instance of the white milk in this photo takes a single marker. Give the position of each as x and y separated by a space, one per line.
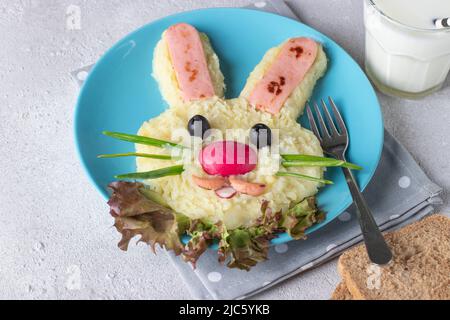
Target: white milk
406 54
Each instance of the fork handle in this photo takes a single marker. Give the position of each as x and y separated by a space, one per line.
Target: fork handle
377 248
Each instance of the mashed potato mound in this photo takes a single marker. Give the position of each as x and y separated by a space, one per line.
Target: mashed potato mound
231 119
234 117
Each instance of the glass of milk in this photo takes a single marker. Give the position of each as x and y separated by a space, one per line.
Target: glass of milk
407 51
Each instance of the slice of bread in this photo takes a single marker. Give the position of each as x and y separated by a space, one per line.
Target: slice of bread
420 269
341 293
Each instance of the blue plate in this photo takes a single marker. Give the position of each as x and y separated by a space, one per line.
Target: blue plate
120 94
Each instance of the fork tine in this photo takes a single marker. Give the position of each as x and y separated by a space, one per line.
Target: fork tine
338 117
322 125
312 122
329 119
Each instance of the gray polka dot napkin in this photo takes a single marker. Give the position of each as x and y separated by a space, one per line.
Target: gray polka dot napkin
399 194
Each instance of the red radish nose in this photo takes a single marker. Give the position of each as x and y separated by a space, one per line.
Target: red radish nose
228 158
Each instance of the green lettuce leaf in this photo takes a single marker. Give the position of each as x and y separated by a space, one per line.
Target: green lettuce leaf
300 217
202 235
245 247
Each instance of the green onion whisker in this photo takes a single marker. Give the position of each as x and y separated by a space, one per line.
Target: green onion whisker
138 155
315 161
154 174
142 140
337 163
302 176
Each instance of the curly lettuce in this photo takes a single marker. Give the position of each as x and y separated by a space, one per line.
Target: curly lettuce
137 215
300 217
246 247
202 235
138 211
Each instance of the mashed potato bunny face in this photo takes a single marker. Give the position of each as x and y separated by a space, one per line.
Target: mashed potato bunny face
232 171
233 160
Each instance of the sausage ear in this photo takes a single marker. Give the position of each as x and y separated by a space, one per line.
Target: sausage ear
186 66
285 78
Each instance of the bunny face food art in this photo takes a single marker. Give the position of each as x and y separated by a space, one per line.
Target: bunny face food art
233 171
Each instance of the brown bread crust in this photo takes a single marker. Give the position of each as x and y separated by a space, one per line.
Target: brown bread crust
420 269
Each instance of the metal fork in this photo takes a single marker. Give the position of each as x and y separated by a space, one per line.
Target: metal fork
334 142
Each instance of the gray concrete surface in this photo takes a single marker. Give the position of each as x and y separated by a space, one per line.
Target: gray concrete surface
56 241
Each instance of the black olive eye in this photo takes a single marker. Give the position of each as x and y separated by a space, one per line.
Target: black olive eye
198 126
261 135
